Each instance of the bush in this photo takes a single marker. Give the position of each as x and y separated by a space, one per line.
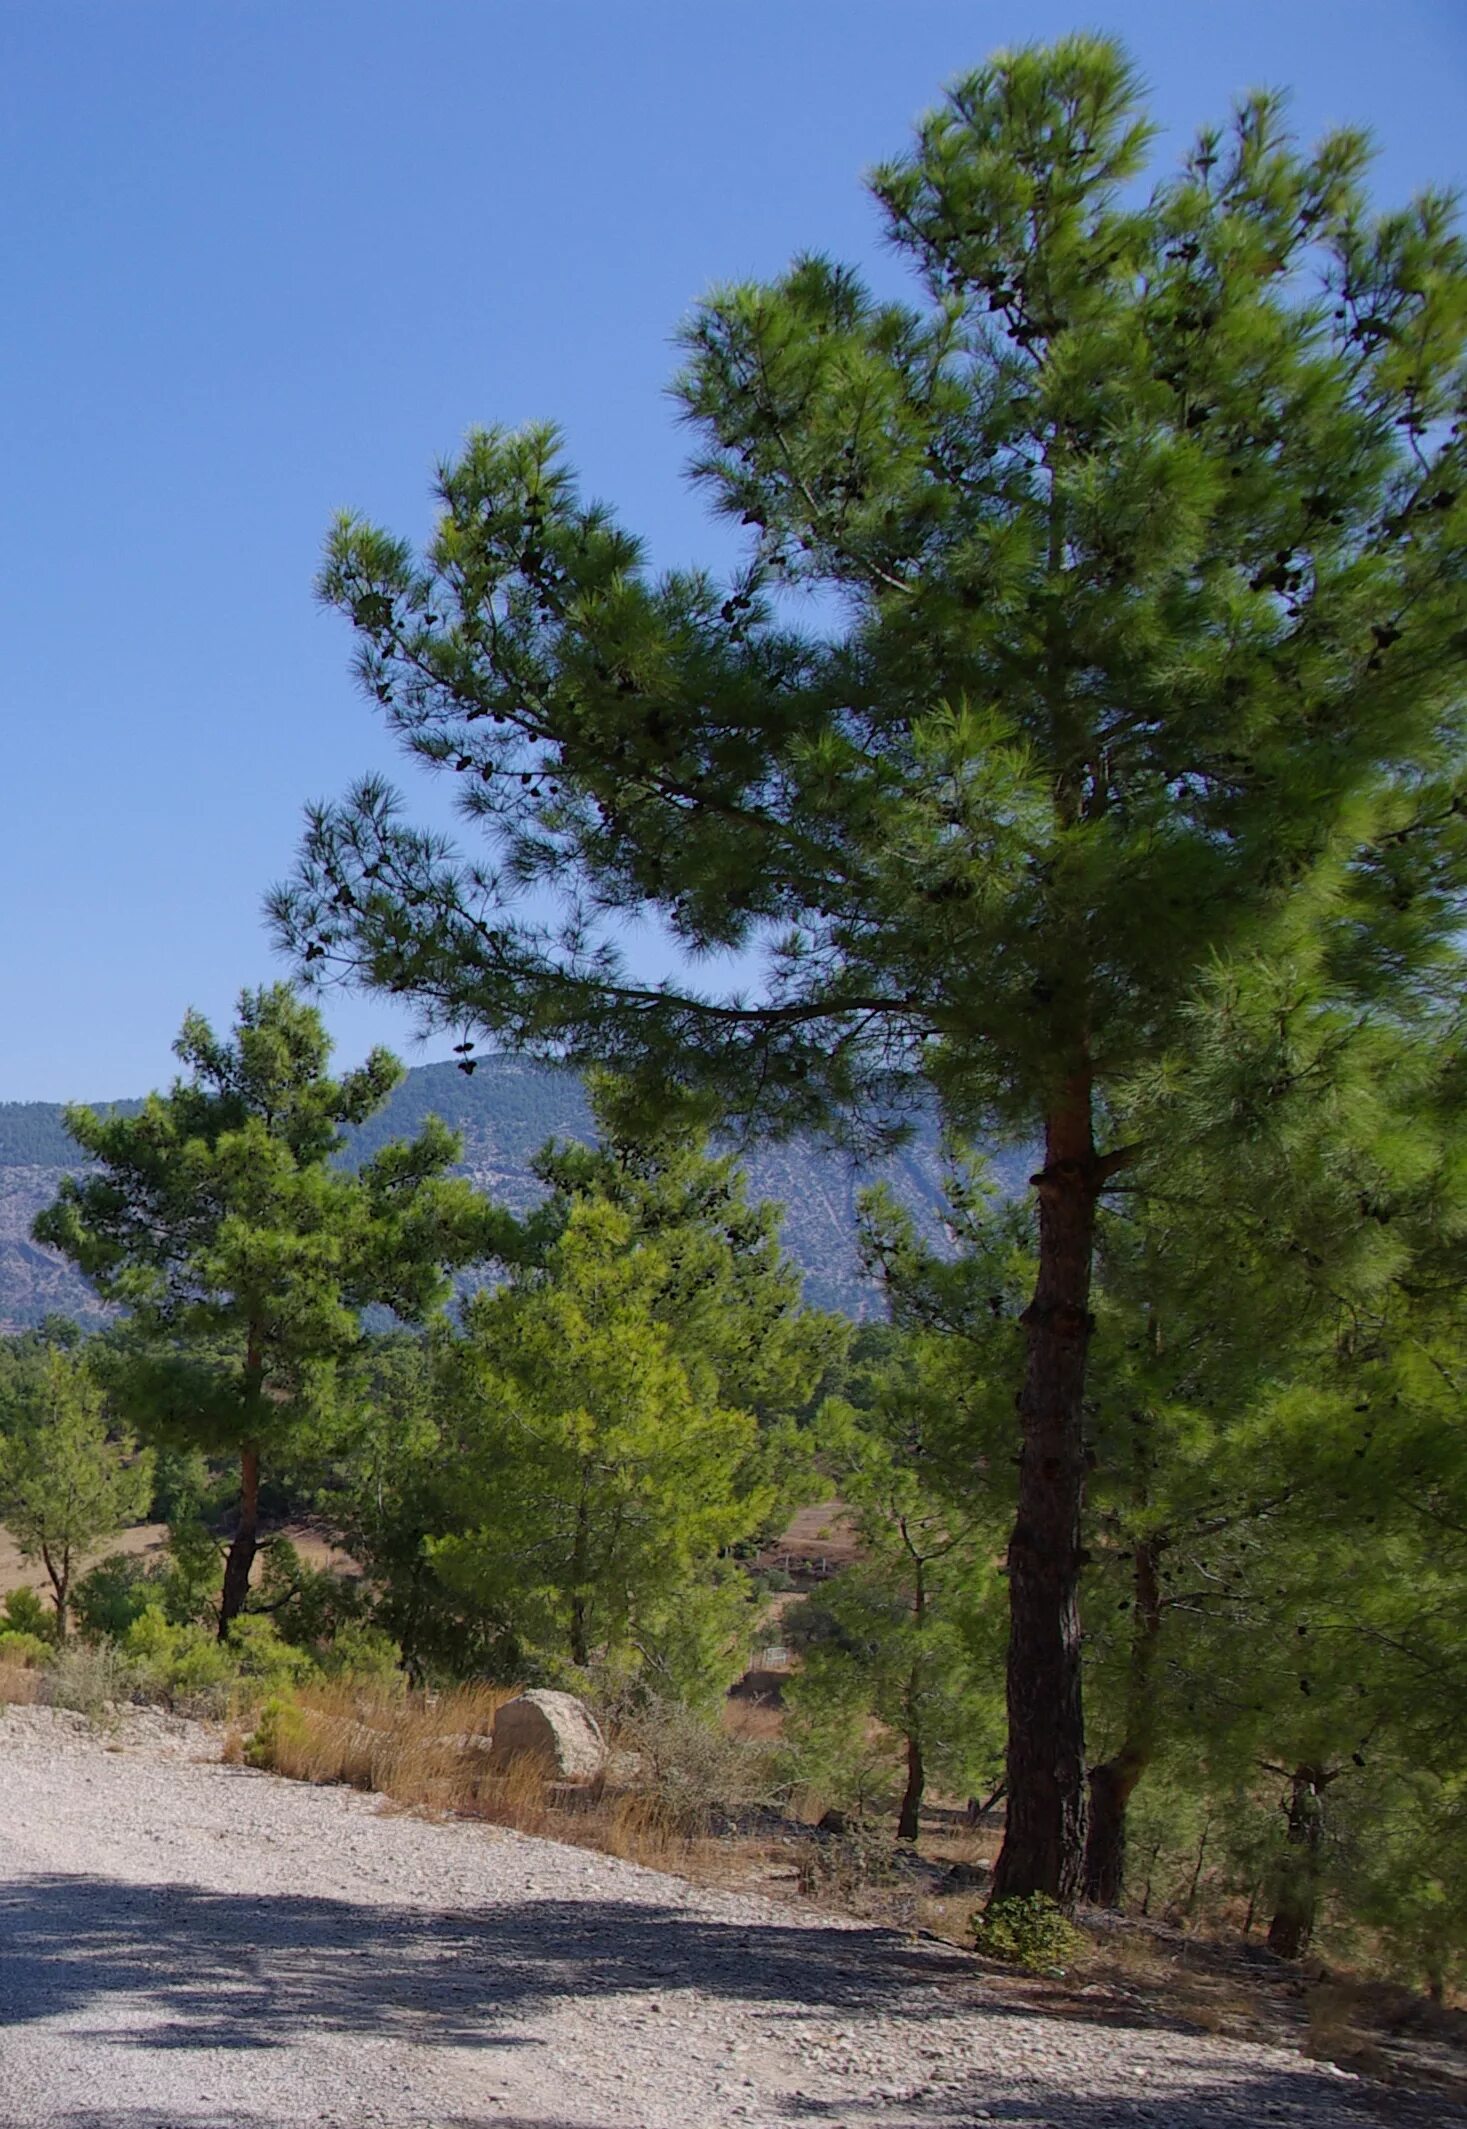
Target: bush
112 1595
259 1653
1029 1932
24 1612
365 1655
27 1651
90 1677
197 1674
280 1733
695 1770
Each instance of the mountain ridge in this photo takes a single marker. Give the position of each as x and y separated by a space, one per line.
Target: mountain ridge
504 1112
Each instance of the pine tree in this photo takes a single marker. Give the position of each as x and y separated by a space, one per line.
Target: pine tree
566 1475
1271 1417
905 1631
602 1482
219 1217
68 1479
1138 537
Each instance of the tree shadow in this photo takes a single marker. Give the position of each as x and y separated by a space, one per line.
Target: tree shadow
233 1972
229 1970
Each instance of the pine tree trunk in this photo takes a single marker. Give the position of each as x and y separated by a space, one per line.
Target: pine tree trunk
246 1541
60 1578
910 1820
1297 1900
580 1651
1044 1839
1113 1782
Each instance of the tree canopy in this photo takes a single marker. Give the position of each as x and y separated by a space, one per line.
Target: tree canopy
1137 536
216 1216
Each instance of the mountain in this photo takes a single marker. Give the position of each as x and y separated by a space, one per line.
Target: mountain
504 1113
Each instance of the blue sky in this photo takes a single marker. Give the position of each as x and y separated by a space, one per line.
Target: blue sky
261 261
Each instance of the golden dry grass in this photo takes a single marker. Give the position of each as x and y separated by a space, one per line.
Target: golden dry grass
19 1685
433 1755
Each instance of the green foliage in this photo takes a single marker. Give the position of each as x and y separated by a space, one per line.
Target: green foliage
279 1718
1125 506
217 1217
196 1673
112 1594
599 1478
568 1477
363 1653
1144 523
1028 1931
66 1478
187 1488
27 1650
23 1612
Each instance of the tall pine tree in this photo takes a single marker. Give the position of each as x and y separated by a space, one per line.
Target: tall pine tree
1138 542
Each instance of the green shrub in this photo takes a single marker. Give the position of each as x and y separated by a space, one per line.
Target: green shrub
112 1594
25 1612
196 1673
364 1653
279 1720
186 1666
260 1653
27 1651
1028 1931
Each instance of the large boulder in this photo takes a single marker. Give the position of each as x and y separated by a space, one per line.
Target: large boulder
554 1728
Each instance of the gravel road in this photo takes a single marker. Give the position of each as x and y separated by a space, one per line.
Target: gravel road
185 1943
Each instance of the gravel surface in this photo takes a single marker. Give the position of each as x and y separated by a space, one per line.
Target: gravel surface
187 1943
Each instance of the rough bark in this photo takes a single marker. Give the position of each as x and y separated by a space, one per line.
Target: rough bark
1297 1899
1113 1781
580 1648
245 1543
59 1572
910 1817
909 1822
1044 1839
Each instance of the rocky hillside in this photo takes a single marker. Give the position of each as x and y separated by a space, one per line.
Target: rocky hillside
504 1113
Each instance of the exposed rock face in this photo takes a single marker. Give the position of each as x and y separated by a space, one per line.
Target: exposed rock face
554 1728
504 1114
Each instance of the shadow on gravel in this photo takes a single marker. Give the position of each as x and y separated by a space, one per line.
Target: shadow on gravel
1259 2102
181 1967
1288 2099
219 1970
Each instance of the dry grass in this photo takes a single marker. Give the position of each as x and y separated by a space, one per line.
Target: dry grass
19 1686
433 1755
149 1541
404 1746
